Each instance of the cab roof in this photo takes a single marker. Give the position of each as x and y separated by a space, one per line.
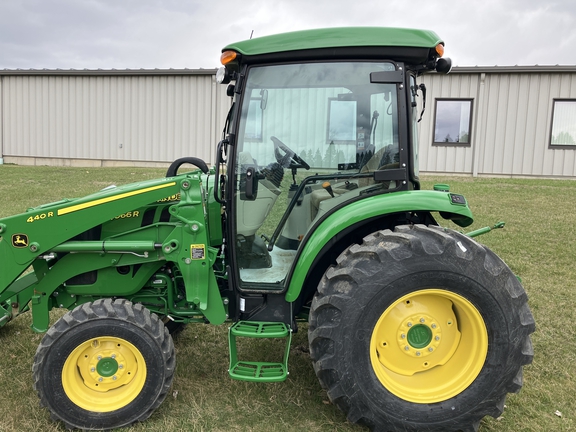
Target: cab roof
337 37
402 44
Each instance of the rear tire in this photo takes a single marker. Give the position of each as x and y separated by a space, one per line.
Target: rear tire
420 329
104 365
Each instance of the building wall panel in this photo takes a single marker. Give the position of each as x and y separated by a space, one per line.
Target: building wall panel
512 114
124 118
72 118
438 158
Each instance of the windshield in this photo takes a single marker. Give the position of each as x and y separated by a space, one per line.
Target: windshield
329 114
309 138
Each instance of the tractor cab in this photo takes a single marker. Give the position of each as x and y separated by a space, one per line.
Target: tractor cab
312 129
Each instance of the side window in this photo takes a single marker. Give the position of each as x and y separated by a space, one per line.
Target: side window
563 131
453 122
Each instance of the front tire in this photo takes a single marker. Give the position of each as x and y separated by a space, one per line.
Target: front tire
104 365
420 329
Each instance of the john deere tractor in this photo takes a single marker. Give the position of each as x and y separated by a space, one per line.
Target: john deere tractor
312 212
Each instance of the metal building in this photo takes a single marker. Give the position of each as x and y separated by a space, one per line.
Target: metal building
480 121
520 121
112 117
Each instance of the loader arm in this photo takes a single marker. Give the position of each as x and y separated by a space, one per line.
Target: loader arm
57 240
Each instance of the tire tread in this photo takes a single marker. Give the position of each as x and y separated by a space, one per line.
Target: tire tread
394 247
121 309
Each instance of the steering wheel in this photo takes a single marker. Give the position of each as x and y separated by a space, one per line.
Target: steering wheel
173 168
289 159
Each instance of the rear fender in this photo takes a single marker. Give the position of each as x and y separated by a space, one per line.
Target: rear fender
450 206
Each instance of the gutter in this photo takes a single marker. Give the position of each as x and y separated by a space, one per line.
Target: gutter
104 72
514 69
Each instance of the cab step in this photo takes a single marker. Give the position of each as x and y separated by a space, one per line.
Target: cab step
253 370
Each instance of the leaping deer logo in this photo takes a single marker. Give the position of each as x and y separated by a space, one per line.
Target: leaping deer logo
20 240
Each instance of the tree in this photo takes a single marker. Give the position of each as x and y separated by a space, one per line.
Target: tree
563 138
331 156
317 160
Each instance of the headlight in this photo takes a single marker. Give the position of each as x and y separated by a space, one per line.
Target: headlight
222 76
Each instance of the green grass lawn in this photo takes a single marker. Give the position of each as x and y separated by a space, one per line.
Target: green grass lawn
538 243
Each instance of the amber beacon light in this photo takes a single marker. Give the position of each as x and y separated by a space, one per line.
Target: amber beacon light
230 56
440 49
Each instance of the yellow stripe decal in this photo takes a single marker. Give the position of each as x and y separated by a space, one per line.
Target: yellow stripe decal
83 206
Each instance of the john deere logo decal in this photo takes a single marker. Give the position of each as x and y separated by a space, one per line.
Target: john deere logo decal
20 240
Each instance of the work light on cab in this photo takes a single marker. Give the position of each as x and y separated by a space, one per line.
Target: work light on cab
222 76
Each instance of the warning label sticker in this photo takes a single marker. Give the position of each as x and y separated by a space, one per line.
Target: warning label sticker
198 251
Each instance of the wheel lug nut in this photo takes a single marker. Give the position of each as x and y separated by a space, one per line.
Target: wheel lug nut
437 338
430 349
422 320
92 369
409 324
403 336
99 357
113 356
407 348
114 378
417 353
121 366
434 326
100 379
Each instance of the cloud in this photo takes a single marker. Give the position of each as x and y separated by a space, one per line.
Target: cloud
190 33
512 33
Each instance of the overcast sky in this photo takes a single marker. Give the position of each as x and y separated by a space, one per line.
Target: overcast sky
106 34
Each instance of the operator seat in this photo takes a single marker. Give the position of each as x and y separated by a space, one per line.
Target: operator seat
375 163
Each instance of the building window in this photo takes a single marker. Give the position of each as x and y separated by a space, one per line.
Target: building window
341 121
254 120
452 123
563 133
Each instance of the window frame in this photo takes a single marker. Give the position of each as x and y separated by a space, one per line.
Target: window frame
453 144
558 146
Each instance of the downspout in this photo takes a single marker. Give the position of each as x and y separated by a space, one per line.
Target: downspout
1 119
478 123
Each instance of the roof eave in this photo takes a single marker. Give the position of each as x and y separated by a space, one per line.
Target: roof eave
105 72
515 69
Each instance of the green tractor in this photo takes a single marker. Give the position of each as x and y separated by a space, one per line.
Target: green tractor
313 213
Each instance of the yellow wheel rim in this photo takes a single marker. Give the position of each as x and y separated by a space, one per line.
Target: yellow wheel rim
104 374
429 346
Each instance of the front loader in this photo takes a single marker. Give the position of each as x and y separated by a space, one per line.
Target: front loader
313 213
